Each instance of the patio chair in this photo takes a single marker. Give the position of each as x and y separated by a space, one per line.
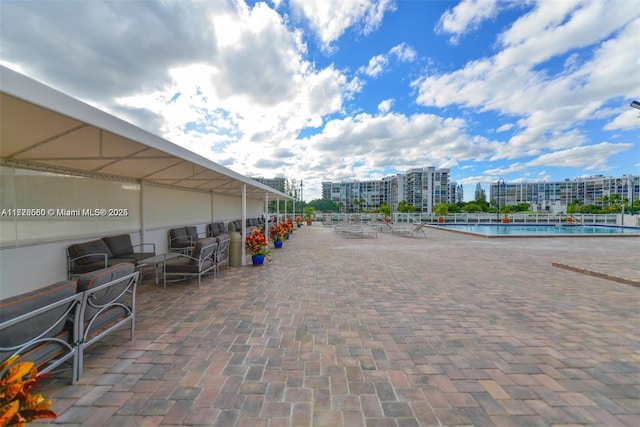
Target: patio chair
108 303
384 227
200 262
180 240
221 256
414 232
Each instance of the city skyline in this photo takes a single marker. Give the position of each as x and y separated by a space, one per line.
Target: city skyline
332 91
426 187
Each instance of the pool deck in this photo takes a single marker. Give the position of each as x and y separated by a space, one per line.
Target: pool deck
450 329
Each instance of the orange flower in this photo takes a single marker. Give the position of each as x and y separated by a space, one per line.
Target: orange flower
256 243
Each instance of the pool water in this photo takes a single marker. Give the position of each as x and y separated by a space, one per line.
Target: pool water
543 230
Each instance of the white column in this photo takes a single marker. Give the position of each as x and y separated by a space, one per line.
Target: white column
141 219
266 224
243 235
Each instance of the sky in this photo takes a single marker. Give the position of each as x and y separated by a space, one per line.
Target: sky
340 90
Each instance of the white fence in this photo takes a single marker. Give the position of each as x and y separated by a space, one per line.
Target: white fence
481 217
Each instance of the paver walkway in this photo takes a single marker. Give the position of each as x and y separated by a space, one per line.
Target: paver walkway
392 331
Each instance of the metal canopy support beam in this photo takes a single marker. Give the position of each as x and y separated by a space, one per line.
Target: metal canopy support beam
266 216
243 236
142 212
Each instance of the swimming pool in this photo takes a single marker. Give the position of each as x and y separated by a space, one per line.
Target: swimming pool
546 230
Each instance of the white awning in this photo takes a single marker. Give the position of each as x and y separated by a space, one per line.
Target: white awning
42 128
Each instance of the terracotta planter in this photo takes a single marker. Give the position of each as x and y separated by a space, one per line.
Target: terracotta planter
440 219
506 220
309 222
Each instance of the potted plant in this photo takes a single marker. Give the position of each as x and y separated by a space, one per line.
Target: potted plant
277 233
308 214
299 221
386 212
17 405
441 209
289 228
505 210
256 244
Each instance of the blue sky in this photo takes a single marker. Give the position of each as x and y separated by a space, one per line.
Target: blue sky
340 90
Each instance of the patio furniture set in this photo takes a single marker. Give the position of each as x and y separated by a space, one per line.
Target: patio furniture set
187 257
53 325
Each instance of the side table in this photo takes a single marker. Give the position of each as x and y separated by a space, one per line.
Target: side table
155 262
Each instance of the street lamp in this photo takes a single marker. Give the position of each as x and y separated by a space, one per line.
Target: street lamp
500 181
631 188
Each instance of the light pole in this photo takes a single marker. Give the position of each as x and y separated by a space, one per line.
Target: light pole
500 181
631 187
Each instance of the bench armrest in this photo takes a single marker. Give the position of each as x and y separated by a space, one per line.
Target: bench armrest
72 262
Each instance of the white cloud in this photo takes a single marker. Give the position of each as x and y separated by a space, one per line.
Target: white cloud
98 46
515 82
589 157
385 106
627 119
403 52
465 17
377 65
394 139
330 19
258 92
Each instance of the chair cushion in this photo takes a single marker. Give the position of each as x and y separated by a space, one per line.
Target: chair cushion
106 297
192 231
198 248
92 247
119 245
18 305
185 266
179 235
222 251
223 236
88 268
100 277
45 352
216 228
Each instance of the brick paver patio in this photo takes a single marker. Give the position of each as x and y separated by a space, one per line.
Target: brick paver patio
393 331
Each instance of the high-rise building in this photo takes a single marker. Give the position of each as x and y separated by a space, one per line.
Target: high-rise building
456 194
555 196
277 183
420 187
479 194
